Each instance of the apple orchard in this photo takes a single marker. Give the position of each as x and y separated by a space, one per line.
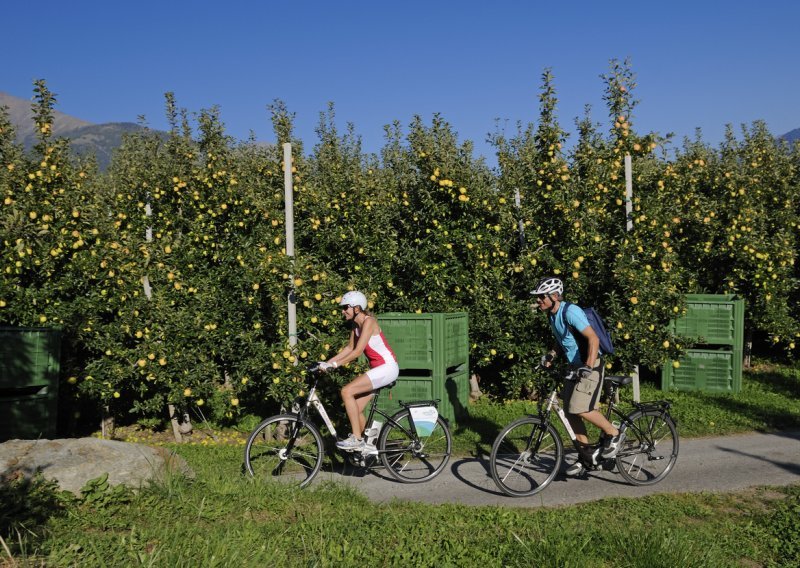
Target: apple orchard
168 276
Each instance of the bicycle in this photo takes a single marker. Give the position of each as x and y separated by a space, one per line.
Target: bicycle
527 454
413 444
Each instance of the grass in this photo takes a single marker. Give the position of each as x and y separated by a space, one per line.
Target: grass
224 519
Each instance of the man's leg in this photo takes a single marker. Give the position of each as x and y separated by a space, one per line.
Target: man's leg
578 427
596 417
583 399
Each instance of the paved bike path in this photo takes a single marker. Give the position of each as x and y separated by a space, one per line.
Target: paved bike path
719 464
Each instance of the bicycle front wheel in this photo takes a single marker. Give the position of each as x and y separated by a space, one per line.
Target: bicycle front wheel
650 448
284 448
525 457
409 457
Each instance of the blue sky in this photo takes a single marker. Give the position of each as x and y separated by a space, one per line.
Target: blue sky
698 64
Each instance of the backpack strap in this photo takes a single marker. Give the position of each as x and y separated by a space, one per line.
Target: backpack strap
567 327
578 336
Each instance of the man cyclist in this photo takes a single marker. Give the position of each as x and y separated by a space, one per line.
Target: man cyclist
580 396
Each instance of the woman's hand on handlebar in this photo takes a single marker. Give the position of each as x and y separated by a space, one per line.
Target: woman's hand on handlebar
324 366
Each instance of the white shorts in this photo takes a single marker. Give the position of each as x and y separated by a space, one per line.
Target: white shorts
382 375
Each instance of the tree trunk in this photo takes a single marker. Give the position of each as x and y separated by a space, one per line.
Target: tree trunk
176 429
748 347
185 424
106 424
474 390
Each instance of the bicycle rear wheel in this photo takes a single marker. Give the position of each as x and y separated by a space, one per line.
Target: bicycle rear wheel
284 448
410 458
525 457
650 448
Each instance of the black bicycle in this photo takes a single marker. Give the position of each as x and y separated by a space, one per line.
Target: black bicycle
413 444
528 453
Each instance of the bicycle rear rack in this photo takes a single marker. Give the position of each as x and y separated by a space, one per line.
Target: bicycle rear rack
417 403
662 405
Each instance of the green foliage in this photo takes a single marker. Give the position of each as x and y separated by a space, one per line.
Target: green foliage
99 493
169 273
783 524
28 503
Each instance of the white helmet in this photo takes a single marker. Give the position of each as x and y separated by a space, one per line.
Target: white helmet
354 298
549 285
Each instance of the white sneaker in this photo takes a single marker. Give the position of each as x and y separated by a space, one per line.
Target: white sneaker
370 449
575 469
350 443
612 445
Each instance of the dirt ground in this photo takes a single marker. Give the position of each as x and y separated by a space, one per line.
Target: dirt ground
199 436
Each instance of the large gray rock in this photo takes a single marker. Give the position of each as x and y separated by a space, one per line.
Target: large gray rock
73 462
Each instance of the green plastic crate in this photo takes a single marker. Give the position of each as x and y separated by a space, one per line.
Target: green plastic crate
716 319
454 395
28 414
29 368
432 351
436 342
705 370
29 356
407 389
452 392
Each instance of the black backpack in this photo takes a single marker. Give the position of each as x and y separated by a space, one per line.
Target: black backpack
598 325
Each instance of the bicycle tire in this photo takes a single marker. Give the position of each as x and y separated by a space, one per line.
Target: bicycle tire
526 457
284 448
650 448
409 458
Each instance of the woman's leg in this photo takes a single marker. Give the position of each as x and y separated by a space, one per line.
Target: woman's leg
356 395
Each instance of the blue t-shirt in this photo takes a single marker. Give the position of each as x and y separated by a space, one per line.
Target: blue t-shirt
577 319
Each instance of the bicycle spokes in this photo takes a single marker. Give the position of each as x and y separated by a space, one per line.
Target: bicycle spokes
284 448
525 457
409 457
650 448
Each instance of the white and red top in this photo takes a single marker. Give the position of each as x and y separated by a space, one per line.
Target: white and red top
377 350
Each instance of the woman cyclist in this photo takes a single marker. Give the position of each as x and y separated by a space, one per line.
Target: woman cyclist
366 337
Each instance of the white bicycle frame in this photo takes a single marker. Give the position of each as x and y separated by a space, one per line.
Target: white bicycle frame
314 399
552 402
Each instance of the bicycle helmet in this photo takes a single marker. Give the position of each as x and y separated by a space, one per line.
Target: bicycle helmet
548 285
354 298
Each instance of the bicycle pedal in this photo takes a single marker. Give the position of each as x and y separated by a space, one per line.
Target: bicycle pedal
608 465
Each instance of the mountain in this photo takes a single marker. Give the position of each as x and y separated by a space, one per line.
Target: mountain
99 139
792 136
20 114
85 137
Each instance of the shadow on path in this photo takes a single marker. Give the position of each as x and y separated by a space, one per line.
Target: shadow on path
791 467
467 463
